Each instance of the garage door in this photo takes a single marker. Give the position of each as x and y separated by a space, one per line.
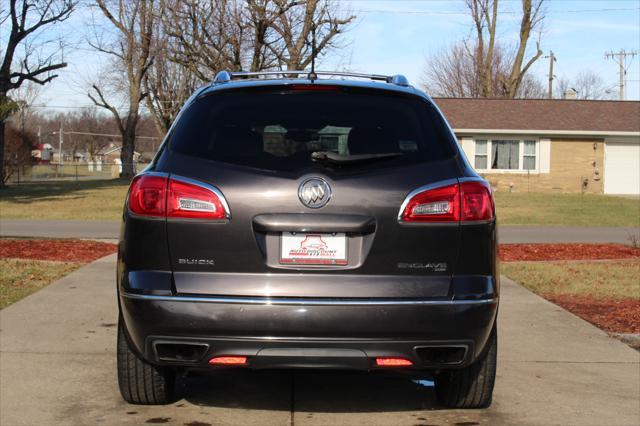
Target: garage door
622 168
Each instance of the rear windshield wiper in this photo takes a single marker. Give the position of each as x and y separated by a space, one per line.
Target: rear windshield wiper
333 158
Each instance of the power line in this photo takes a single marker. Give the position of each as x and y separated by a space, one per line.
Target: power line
104 134
451 12
62 106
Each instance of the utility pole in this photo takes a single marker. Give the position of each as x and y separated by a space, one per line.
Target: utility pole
552 59
60 140
620 58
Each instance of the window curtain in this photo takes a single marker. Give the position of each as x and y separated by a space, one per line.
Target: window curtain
505 154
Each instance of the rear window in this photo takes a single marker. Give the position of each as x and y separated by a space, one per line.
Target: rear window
280 131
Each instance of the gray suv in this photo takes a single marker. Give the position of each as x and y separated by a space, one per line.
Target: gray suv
309 220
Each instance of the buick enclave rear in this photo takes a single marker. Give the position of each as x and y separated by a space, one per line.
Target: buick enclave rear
309 223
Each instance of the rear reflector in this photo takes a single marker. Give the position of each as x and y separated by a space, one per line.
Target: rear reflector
175 197
228 360
466 201
393 362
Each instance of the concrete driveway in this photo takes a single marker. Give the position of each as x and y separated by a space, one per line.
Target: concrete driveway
57 366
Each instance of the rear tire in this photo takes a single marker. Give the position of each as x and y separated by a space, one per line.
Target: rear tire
470 387
141 382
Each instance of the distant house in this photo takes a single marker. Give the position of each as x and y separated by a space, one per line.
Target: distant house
550 145
110 154
42 153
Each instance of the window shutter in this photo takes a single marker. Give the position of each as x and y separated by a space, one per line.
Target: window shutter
545 155
469 148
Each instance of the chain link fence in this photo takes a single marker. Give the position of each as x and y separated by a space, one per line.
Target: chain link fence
69 172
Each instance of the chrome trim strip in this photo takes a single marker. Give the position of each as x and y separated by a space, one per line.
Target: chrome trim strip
472 179
317 302
208 187
153 173
422 189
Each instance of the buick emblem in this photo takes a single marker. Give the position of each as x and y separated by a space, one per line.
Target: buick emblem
314 192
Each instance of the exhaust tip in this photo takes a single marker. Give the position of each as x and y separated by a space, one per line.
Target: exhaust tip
442 355
180 351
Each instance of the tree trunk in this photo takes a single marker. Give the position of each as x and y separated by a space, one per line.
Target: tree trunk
128 146
2 172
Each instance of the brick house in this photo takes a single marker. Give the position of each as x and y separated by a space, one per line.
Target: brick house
543 145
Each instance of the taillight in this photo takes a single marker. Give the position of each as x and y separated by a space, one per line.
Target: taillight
434 205
147 195
158 195
192 200
466 201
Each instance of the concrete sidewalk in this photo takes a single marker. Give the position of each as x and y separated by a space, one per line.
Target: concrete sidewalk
57 366
508 234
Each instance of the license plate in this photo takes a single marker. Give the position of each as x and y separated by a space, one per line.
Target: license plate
313 248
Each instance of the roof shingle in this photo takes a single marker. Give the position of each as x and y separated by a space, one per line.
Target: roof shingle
541 114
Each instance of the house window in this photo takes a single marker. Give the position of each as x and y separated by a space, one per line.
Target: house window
481 155
529 155
506 155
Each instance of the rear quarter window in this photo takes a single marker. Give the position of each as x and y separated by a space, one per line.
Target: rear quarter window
280 130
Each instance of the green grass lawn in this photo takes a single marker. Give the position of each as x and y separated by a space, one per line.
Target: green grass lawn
64 200
606 279
103 200
566 210
20 277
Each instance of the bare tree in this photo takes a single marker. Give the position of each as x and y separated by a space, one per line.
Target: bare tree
453 72
532 15
39 59
134 22
311 18
204 36
87 120
251 35
198 38
588 85
167 85
483 65
531 88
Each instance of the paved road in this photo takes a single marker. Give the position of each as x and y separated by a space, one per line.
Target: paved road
59 228
58 367
508 234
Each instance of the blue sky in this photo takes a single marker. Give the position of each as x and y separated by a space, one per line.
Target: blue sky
398 36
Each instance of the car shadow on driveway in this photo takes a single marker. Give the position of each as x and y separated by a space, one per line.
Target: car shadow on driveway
309 391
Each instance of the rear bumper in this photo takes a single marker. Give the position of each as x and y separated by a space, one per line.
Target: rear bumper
307 333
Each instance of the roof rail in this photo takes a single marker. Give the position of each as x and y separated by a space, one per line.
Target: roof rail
226 76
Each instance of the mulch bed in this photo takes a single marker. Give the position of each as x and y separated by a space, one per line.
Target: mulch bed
56 250
548 252
614 316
